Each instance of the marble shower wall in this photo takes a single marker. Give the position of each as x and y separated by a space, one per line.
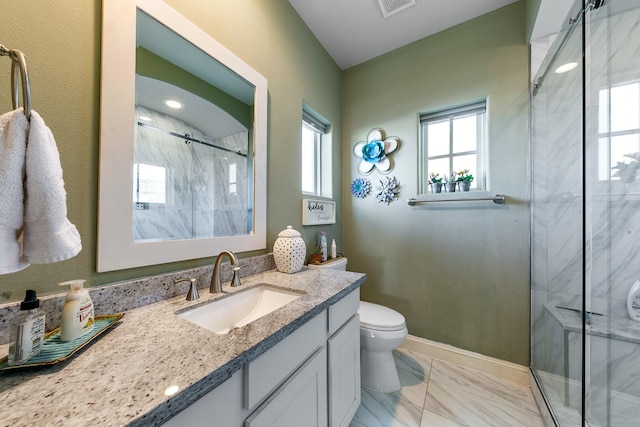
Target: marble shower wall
612 246
206 188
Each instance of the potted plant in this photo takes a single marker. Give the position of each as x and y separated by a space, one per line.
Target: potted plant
435 180
316 253
628 172
451 183
464 179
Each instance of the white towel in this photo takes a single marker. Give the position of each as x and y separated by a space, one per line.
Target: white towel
13 141
48 234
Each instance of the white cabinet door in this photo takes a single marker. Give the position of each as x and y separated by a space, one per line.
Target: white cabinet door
300 401
344 373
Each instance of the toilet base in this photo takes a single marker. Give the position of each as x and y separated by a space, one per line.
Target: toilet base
378 371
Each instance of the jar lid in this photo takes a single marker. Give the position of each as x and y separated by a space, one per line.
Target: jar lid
289 232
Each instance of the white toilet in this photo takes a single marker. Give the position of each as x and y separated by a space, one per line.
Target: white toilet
381 331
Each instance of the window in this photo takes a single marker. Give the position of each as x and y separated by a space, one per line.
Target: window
619 133
149 184
454 140
316 156
233 179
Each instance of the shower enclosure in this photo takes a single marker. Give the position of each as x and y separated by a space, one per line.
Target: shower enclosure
585 241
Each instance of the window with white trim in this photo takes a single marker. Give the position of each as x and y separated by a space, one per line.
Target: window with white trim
454 140
149 184
316 156
619 133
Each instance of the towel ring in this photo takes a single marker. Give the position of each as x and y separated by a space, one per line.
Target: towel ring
19 66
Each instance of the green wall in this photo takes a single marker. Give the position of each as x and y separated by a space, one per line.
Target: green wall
62 43
458 272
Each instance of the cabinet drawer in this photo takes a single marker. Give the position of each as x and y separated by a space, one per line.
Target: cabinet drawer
342 311
265 373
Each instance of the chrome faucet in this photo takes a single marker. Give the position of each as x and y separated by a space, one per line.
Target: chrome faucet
216 283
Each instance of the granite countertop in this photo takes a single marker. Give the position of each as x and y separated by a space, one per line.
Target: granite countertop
121 378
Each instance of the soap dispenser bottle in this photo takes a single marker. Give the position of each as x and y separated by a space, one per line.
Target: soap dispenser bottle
27 330
633 301
77 313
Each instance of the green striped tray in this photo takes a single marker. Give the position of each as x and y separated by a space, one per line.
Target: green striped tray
55 351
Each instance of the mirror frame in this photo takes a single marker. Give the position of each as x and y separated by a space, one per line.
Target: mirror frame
116 249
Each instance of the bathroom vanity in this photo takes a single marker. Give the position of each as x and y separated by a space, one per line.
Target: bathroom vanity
289 384
298 364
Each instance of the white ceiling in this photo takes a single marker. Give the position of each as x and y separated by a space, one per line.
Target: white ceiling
354 31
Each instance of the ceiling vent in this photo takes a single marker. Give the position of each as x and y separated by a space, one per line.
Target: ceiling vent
389 7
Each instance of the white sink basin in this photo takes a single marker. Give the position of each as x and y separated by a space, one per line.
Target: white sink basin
240 308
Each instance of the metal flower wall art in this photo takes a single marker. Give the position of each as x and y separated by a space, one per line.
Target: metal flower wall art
374 153
387 190
360 187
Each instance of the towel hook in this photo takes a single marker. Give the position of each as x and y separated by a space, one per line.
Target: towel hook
19 66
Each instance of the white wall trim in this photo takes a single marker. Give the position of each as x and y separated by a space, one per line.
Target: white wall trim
501 368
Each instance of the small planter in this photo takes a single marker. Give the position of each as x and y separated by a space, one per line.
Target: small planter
315 258
436 187
450 187
465 185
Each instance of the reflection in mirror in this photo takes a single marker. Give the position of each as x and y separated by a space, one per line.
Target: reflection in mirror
191 157
183 141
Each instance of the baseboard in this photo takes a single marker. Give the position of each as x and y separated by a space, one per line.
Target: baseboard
506 370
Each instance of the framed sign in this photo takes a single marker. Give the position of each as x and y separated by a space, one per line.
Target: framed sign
316 212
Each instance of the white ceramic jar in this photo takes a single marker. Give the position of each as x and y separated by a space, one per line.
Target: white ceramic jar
289 251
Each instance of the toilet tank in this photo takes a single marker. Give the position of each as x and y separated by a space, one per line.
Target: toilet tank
334 264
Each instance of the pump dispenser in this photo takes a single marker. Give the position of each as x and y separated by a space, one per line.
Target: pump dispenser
77 314
27 330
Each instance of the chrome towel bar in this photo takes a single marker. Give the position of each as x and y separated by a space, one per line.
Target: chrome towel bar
19 66
498 199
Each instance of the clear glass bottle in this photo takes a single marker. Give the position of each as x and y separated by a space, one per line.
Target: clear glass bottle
27 330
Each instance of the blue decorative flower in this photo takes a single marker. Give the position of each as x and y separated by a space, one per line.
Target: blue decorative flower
387 190
373 151
360 187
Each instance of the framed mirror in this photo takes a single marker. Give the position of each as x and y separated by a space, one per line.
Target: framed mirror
182 141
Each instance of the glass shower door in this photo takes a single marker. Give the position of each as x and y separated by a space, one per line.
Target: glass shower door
612 124
585 206
558 218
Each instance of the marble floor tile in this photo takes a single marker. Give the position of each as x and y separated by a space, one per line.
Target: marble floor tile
489 386
413 371
429 419
475 410
386 410
440 394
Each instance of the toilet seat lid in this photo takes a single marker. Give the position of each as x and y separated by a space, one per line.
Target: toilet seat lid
379 317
